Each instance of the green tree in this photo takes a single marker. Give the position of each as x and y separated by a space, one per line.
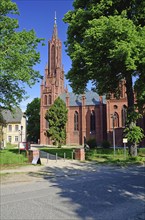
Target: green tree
18 55
2 124
134 135
33 120
106 42
56 116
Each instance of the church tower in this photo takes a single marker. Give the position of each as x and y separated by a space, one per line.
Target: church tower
53 83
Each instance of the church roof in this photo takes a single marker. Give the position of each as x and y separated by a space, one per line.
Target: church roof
92 98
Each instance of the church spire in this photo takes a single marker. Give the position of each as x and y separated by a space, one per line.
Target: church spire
55 35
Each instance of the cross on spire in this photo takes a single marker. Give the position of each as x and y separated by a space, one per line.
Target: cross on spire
55 18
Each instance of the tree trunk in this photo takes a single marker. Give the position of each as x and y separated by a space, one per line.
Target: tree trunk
130 93
130 99
133 150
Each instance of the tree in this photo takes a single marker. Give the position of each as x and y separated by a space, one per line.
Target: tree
106 42
33 120
134 135
56 116
18 55
2 124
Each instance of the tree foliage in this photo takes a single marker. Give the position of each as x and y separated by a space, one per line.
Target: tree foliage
33 120
57 117
18 55
134 135
106 43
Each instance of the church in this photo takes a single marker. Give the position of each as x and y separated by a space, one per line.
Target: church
90 116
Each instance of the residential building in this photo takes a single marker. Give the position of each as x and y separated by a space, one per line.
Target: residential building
14 129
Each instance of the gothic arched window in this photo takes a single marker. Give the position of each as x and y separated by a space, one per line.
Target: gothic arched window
52 59
116 120
124 115
49 99
76 121
45 100
92 121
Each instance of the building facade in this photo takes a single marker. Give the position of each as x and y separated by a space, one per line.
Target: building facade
14 128
90 116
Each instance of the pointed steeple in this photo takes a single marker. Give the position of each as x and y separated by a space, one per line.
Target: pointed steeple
55 35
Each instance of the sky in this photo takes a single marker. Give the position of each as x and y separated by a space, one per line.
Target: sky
39 15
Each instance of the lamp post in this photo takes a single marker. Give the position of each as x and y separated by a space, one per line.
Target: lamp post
113 116
21 133
20 139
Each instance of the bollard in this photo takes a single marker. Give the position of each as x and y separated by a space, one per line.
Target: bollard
125 150
56 157
47 157
72 154
64 156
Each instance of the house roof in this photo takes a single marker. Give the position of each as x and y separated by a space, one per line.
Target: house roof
92 98
12 117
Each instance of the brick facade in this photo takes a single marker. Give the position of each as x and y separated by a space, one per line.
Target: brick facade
87 107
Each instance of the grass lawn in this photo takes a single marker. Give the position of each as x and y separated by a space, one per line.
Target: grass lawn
10 157
102 156
120 158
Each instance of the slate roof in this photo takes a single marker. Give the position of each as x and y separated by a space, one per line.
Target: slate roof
92 98
12 117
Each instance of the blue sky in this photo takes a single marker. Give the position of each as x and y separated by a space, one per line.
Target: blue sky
39 15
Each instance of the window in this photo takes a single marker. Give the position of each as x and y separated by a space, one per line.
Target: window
116 120
16 127
9 139
49 99
76 121
92 121
115 107
52 59
45 100
10 128
16 138
124 115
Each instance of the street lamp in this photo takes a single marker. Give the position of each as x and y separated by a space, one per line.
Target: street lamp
20 139
113 116
21 132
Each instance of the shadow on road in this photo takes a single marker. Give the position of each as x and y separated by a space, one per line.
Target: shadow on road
96 191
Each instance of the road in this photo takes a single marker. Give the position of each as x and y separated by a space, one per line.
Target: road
92 193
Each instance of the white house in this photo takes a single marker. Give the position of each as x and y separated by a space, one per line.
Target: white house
14 130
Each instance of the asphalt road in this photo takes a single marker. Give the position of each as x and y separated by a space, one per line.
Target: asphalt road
97 193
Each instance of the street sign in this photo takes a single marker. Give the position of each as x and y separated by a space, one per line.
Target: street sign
125 140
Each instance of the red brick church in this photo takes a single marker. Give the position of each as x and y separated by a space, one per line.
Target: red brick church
89 115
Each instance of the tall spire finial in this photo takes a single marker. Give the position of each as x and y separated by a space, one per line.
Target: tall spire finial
55 28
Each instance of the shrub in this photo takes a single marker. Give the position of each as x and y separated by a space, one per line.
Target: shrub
91 142
141 151
105 144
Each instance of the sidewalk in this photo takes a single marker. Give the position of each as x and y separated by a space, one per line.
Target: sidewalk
48 161
48 169
52 164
